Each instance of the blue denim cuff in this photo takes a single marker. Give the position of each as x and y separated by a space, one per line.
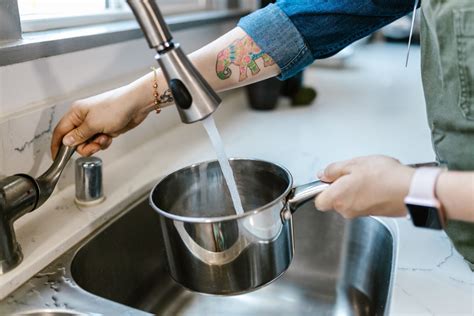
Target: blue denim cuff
277 36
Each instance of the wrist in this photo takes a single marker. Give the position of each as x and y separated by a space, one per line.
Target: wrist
146 94
141 93
439 184
405 178
439 189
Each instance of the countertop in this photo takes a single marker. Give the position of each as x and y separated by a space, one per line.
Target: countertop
373 105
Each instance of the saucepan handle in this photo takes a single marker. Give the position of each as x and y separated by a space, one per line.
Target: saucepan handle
305 192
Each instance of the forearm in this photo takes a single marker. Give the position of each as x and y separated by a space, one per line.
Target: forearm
231 61
455 190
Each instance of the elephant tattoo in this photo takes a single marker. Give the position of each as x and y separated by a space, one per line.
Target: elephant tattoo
242 53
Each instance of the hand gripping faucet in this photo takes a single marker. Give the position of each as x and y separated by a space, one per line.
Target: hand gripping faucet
193 96
19 195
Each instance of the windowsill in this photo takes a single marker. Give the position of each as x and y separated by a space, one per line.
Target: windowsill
36 45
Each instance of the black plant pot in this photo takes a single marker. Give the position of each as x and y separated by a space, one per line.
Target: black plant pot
264 95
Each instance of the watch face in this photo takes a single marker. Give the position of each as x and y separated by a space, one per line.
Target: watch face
425 216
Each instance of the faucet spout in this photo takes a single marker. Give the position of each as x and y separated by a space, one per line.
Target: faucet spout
18 196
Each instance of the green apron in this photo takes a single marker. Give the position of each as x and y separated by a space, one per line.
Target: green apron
447 48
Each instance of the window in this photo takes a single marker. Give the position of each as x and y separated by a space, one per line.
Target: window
40 15
62 7
51 27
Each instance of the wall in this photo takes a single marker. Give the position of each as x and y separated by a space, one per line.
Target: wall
34 96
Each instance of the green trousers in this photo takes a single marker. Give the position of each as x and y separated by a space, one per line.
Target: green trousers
447 45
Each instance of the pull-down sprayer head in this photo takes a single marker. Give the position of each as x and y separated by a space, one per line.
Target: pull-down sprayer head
193 96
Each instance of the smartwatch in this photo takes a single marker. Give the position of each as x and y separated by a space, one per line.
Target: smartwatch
424 208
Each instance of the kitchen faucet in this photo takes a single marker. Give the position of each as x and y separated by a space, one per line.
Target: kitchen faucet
19 195
193 96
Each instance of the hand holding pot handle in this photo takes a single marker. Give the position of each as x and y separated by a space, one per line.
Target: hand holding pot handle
305 192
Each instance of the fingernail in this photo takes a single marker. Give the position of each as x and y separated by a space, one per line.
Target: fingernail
316 206
103 141
320 174
68 140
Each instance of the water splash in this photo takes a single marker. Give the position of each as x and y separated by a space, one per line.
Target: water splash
59 283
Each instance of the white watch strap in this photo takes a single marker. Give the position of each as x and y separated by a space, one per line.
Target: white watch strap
423 186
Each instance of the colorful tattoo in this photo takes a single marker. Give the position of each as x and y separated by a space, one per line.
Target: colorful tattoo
166 97
242 53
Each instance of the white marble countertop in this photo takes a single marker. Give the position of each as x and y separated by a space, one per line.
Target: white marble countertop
373 106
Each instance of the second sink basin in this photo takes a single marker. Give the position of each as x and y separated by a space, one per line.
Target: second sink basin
340 266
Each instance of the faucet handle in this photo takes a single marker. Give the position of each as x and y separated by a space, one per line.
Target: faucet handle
48 180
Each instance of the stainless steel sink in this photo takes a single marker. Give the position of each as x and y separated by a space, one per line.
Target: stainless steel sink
341 267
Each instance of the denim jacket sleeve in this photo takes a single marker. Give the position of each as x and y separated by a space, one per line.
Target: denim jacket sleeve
296 32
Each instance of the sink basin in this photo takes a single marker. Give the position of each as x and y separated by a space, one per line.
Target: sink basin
341 267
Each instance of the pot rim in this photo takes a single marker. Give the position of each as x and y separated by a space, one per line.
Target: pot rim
188 219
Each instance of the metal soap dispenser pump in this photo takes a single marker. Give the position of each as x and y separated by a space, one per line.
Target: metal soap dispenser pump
193 96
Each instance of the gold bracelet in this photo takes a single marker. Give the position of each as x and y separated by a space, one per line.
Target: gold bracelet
156 102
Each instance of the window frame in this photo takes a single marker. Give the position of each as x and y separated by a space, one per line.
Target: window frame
17 46
117 12
46 22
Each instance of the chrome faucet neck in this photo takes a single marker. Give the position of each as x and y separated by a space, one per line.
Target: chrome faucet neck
151 22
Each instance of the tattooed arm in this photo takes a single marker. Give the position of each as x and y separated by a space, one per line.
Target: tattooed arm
234 60
231 61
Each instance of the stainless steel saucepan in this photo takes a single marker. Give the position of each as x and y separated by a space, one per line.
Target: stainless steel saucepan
210 249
